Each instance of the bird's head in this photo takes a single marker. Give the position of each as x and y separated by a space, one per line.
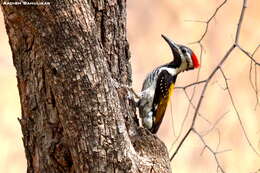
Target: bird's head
184 57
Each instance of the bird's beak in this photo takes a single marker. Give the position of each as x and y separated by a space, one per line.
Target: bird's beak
174 47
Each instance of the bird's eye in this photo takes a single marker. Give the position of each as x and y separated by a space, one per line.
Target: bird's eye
183 51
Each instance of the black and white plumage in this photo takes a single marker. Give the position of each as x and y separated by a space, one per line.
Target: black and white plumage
159 85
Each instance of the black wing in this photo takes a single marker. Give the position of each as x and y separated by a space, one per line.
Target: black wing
164 82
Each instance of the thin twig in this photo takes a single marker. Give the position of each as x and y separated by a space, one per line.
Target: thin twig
201 98
210 77
172 119
204 81
250 76
190 85
195 21
254 85
237 113
214 153
214 125
208 22
248 54
184 120
193 106
256 88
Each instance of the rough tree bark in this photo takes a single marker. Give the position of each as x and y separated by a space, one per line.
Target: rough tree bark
74 117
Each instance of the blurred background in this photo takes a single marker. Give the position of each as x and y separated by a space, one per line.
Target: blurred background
146 21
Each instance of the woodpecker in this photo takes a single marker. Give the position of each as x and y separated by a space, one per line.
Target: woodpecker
159 84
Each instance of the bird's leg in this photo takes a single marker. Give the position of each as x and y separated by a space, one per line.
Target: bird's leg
132 95
137 95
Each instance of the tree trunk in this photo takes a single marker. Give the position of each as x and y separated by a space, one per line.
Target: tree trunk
75 117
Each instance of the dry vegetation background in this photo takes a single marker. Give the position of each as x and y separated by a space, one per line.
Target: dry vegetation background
147 19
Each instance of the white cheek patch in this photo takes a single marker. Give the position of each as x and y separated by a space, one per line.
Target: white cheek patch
189 60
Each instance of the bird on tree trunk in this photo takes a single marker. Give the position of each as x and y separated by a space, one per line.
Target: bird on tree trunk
159 84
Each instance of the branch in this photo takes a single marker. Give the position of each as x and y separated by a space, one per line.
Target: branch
242 14
212 74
